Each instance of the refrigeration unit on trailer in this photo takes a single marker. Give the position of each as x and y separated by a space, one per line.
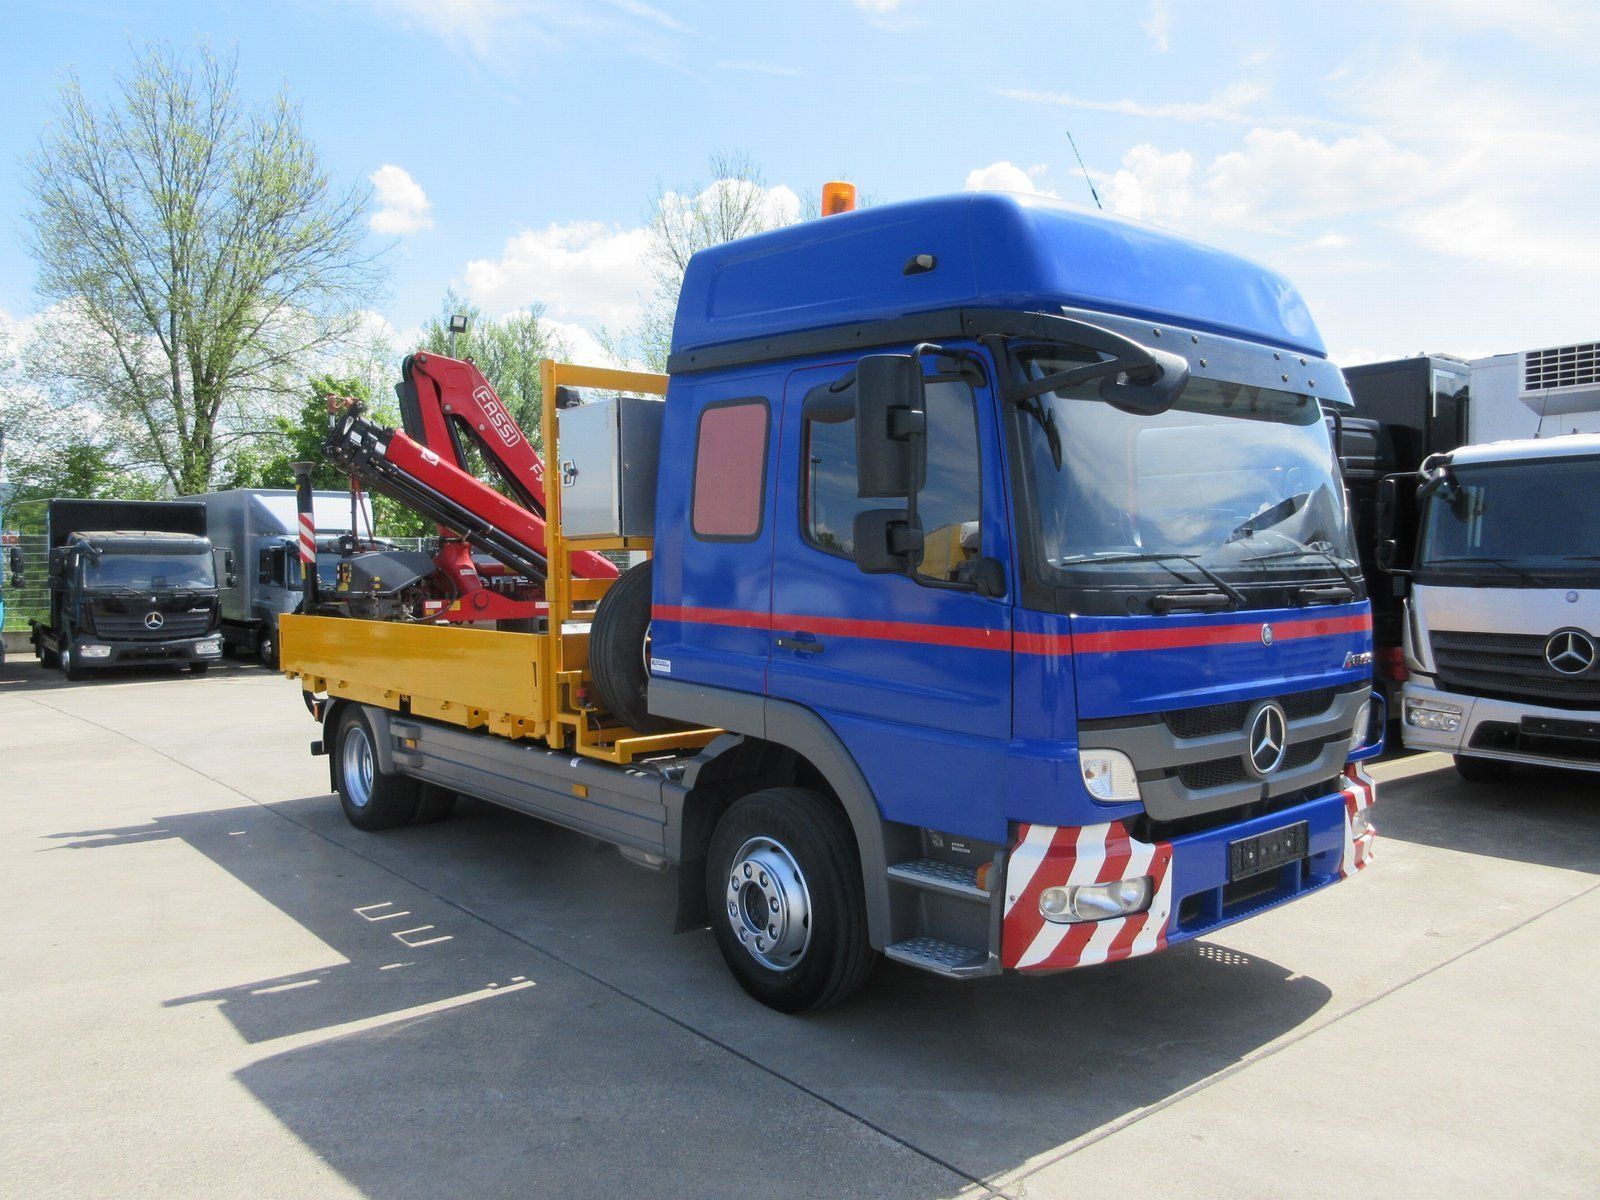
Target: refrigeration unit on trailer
1002 610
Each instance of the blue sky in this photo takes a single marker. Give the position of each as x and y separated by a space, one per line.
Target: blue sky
1427 171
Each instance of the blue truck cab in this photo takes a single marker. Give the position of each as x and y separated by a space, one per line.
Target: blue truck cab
1013 533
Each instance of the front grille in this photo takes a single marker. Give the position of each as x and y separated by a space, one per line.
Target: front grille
131 626
1211 719
1220 772
1509 666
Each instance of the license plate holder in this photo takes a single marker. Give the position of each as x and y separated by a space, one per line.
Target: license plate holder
1268 851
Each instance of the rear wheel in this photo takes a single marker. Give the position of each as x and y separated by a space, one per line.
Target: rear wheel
1482 770
371 797
783 887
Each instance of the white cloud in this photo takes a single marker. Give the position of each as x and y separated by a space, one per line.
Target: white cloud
579 345
1570 25
878 7
403 207
1152 186
1158 25
758 68
582 271
476 26
1227 107
1279 177
1006 177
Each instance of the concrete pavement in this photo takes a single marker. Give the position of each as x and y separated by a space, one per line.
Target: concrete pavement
214 986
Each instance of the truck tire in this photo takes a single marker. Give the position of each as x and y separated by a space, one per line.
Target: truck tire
371 797
1482 770
619 651
783 887
434 803
267 649
69 665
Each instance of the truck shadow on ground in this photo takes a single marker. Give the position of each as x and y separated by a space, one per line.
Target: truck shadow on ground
501 1004
1540 815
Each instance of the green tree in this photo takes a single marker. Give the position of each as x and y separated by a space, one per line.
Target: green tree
198 254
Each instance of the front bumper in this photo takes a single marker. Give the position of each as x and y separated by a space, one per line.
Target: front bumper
1191 893
146 654
1492 729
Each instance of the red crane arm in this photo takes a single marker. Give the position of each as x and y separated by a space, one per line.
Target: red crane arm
444 399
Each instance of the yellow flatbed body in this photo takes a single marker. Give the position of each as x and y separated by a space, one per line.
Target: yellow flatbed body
466 676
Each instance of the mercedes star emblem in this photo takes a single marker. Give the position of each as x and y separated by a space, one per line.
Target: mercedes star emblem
1266 635
1570 651
154 620
1268 739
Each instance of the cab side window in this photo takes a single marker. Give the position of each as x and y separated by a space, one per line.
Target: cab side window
730 471
949 503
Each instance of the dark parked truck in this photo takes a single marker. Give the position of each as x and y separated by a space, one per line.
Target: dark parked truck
1002 611
132 583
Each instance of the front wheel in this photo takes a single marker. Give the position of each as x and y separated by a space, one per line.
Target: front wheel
267 650
68 662
371 797
783 886
1482 770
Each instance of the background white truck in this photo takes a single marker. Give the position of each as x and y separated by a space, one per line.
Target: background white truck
1498 549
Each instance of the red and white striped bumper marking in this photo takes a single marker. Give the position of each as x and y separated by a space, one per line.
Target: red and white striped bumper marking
1359 793
308 538
1047 856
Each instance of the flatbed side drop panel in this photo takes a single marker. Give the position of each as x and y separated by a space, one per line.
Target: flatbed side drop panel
475 678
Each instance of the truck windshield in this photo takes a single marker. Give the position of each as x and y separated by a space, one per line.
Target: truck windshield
162 571
1240 480
1531 523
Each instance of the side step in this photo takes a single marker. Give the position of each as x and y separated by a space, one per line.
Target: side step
953 879
943 958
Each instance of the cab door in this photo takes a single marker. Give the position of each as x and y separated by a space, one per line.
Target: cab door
913 673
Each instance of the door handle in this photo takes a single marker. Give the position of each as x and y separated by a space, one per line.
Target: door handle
802 645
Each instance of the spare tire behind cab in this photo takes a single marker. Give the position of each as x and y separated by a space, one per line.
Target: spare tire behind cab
619 651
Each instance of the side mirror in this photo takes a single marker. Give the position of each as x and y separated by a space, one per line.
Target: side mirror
58 563
887 541
891 419
1150 390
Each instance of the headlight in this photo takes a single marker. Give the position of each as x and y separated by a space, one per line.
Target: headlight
1433 714
1108 775
1095 901
91 650
1358 738
209 646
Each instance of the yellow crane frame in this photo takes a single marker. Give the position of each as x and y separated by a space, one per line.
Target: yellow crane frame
518 685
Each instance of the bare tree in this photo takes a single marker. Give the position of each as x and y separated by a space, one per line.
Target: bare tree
735 204
198 253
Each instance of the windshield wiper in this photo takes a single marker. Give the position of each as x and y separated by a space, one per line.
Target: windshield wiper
1158 556
1321 550
1520 572
1276 515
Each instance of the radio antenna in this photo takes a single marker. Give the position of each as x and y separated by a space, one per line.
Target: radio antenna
1085 171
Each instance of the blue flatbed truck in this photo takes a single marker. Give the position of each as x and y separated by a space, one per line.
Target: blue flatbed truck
1002 610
